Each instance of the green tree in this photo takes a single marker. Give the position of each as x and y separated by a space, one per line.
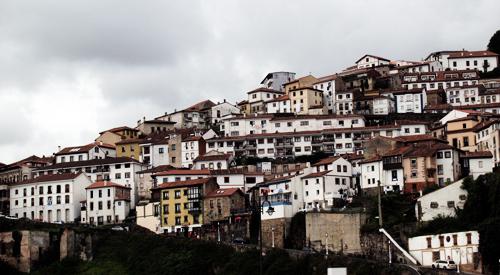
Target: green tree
494 44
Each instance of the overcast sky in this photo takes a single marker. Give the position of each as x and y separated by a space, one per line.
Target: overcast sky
69 69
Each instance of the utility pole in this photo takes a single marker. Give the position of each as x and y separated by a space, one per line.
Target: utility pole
379 205
390 254
272 233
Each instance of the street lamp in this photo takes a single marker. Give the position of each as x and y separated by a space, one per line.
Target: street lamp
272 237
326 244
269 211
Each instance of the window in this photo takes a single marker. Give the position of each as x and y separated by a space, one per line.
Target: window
440 155
434 204
226 179
165 195
394 175
441 241
160 150
429 242
99 205
177 194
127 175
177 208
118 176
413 163
469 238
480 164
451 204
447 154
304 123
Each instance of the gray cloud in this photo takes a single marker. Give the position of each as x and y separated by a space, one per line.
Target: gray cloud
72 68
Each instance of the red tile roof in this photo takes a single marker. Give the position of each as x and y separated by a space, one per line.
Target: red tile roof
119 129
480 154
316 174
465 54
157 169
184 172
213 157
84 148
193 138
48 178
327 160
103 184
226 192
184 183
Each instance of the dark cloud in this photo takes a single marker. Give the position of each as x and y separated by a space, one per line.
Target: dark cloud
77 67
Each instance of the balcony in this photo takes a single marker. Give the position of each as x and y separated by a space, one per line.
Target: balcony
283 144
329 140
392 166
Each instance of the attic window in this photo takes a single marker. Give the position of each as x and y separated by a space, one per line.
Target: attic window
75 150
462 197
434 204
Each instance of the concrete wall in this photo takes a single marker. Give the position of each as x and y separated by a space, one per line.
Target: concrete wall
343 231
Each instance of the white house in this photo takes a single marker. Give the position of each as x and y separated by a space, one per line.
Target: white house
49 198
379 169
257 97
285 195
478 163
191 148
96 150
213 160
221 110
344 102
383 105
226 178
368 61
456 114
461 247
484 61
106 203
281 104
488 138
410 101
442 202
121 170
439 80
327 85
148 216
464 95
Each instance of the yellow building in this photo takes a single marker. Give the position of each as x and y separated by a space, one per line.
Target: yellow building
460 133
181 203
305 81
305 99
112 136
129 148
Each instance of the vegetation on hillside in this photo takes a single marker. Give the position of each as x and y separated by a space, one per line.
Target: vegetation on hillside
144 253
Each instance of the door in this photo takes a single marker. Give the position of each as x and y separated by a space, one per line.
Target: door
470 255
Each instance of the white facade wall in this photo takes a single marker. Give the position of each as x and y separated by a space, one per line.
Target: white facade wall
112 211
441 202
148 216
211 164
462 96
281 106
50 210
473 63
461 253
190 150
410 103
329 99
447 166
480 166
291 188
383 106
372 172
371 61
221 110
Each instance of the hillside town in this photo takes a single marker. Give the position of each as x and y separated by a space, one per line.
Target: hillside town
327 150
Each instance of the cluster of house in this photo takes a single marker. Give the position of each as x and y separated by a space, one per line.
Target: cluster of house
396 126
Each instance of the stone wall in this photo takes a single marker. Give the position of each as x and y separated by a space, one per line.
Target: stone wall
281 229
341 229
25 249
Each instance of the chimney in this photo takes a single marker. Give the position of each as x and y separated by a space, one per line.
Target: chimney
224 100
144 118
166 113
139 122
58 148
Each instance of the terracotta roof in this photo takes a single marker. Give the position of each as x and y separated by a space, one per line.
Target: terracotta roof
200 106
306 88
213 157
83 148
234 171
26 161
417 138
316 174
480 154
397 151
48 178
184 172
265 90
372 159
157 169
184 183
484 124
193 138
326 78
119 129
279 98
327 160
83 163
426 150
479 86
103 184
410 91
129 141
465 54
444 106
226 192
